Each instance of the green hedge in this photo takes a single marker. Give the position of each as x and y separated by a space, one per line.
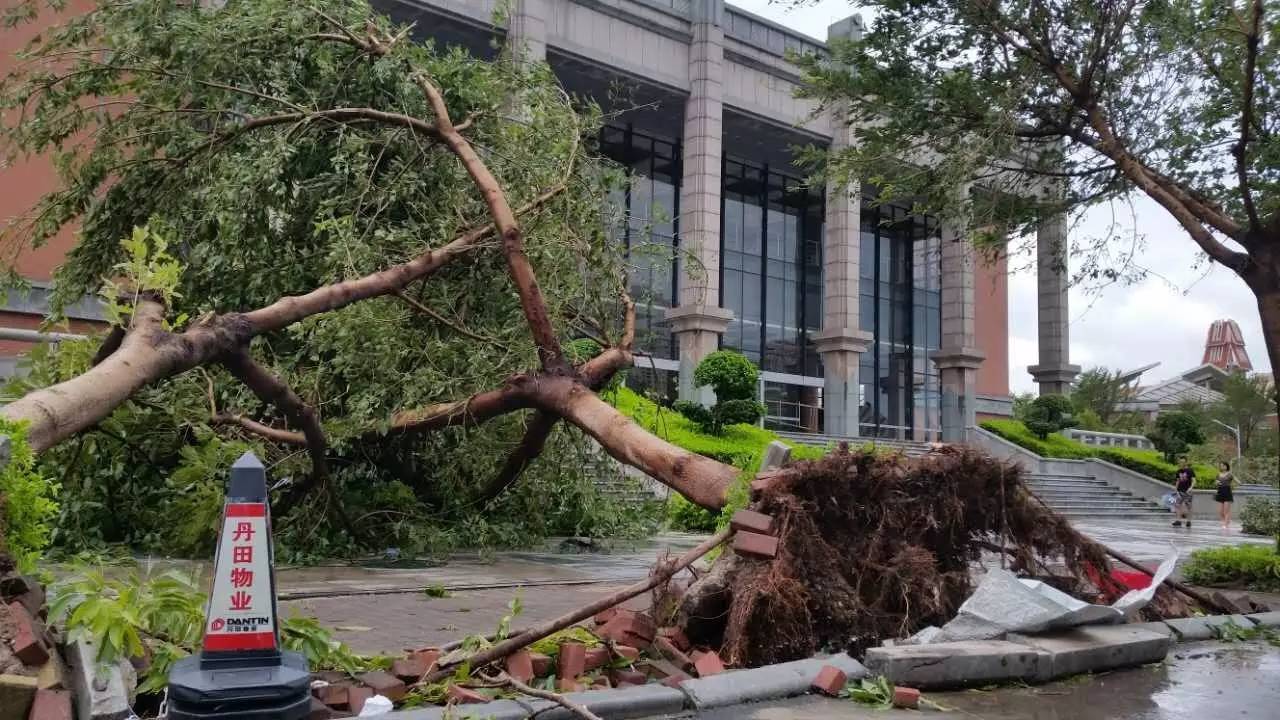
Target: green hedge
1256 567
1148 462
1260 516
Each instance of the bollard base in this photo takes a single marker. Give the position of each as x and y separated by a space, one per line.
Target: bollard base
239 691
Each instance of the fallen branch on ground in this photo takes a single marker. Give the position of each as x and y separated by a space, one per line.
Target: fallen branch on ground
537 632
503 679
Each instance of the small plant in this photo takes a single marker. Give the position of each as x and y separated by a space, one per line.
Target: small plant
1049 414
1256 567
322 650
27 505
1261 516
437 590
734 379
1229 631
875 692
685 516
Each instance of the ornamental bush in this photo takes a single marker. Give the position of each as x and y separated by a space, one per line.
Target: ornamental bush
1255 567
1261 516
1049 414
734 379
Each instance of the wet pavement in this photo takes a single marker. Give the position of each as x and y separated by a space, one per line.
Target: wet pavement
1212 680
1147 540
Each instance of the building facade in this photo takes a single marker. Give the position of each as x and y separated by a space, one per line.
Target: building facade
865 319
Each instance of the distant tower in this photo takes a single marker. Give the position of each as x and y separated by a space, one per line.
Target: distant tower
1225 347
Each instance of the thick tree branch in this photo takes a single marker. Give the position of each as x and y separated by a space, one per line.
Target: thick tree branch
531 445
1253 38
109 345
276 392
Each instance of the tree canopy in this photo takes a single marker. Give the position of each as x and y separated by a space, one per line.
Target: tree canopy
355 246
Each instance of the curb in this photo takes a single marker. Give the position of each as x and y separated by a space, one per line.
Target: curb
771 682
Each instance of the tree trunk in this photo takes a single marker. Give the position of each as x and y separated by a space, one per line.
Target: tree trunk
702 480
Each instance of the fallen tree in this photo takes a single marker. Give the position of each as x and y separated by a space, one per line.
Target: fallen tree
359 281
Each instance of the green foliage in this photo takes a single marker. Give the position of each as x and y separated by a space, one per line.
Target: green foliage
684 515
164 613
735 380
322 650
1147 462
1176 431
244 219
1229 631
27 504
1049 414
876 692
1260 516
437 590
1255 567
1247 401
1095 397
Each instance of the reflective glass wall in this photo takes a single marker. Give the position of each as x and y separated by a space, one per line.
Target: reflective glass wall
900 305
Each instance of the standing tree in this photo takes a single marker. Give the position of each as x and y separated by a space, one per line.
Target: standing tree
1100 391
1046 108
356 258
1246 403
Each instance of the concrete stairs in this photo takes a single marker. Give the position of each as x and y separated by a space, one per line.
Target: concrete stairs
910 448
1088 497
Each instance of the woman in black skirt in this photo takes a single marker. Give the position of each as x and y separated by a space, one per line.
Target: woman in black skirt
1224 495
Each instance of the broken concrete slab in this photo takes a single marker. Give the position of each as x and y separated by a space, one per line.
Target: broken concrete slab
776 454
1266 619
1097 648
766 683
101 693
966 663
1206 627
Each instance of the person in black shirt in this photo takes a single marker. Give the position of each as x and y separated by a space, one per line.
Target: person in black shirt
1185 482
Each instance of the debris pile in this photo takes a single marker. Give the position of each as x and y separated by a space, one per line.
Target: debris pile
31 671
864 547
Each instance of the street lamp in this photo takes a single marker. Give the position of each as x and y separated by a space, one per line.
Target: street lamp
1234 431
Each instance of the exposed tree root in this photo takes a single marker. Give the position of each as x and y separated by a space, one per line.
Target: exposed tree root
879 546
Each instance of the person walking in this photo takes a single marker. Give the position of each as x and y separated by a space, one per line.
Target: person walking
1224 496
1184 485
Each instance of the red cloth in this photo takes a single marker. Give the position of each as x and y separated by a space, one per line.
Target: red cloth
1132 580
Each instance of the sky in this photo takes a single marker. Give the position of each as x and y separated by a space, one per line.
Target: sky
1162 318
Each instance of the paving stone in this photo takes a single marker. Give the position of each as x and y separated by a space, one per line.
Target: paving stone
830 681
707 663
572 660
752 521
755 545
1238 604
385 684
766 683
1202 628
17 692
905 697
959 664
520 666
1097 648
356 698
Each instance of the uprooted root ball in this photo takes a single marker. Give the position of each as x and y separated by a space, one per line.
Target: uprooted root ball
876 546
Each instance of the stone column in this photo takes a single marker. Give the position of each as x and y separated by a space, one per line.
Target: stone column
527 31
1054 372
958 358
842 339
699 320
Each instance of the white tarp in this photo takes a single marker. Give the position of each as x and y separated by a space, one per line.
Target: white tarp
1004 603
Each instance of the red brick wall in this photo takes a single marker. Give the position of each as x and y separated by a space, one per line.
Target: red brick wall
991 311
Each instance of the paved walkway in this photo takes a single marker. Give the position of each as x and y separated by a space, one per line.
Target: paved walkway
381 610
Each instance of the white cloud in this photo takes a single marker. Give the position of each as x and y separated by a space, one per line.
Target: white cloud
1162 319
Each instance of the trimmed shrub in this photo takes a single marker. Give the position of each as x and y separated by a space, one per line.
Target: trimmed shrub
734 379
1049 414
1255 567
1053 446
1175 432
1261 516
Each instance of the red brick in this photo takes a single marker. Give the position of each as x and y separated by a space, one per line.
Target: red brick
752 521
672 653
626 651
605 616
356 698
384 684
755 545
520 666
51 705
905 697
596 658
26 642
622 677
677 638
707 664
426 656
333 694
409 669
541 664
464 696
319 711
568 685
830 681
628 628
572 661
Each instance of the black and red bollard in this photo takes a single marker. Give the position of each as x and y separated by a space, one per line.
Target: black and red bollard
242 673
